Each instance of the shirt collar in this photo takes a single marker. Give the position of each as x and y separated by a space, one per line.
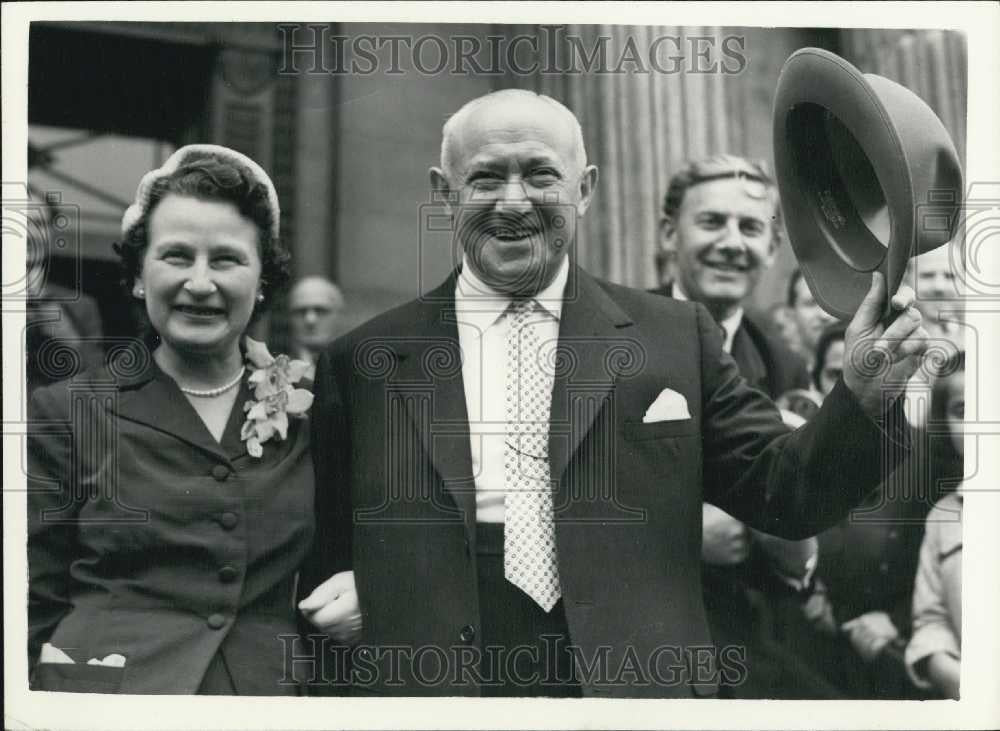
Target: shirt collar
479 305
729 325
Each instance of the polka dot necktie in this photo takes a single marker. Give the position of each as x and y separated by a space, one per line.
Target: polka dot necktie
529 545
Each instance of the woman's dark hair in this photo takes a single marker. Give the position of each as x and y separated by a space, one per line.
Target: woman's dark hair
210 178
832 334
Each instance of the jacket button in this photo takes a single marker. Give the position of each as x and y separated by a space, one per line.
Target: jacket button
468 633
220 472
228 574
216 621
229 520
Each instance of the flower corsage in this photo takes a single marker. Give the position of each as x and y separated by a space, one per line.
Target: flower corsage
275 396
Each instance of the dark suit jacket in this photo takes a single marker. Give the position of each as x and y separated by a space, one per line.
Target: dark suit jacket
739 599
765 362
391 421
149 539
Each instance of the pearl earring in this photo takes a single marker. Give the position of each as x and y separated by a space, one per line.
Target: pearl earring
260 296
140 292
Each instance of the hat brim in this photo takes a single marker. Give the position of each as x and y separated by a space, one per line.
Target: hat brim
845 186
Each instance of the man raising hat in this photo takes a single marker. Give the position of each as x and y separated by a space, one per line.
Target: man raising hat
511 468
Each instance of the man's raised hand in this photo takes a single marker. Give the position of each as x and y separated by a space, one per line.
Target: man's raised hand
880 359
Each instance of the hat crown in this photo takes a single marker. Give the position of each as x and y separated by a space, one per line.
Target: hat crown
931 160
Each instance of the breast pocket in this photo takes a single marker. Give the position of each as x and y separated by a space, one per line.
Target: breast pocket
656 450
77 678
637 431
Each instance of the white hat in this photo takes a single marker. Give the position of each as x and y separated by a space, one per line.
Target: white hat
190 153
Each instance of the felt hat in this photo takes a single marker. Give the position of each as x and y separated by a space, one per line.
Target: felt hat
868 176
192 153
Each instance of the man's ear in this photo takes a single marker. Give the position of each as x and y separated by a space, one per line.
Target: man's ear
666 251
588 184
668 235
441 187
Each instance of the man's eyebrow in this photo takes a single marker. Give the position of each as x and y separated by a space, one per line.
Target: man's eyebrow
490 164
538 160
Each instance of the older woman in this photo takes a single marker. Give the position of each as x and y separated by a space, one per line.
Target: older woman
171 497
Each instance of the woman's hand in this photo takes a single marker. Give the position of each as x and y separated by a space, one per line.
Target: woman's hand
333 608
870 633
725 541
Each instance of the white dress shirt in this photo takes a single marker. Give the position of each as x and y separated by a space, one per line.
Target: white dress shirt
482 335
730 325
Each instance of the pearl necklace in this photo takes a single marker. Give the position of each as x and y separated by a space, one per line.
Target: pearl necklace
211 392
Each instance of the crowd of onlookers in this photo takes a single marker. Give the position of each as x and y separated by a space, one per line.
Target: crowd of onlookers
882 618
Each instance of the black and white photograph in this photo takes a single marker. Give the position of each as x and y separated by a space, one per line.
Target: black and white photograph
472 358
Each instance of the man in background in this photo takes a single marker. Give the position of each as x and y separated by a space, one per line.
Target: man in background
720 231
314 306
935 277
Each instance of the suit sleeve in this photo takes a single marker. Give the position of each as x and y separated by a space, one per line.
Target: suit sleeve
331 552
789 484
52 542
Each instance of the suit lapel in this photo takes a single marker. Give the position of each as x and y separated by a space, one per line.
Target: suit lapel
593 342
748 357
231 442
427 384
154 400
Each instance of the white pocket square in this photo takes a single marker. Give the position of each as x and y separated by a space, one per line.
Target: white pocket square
114 660
669 406
52 654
